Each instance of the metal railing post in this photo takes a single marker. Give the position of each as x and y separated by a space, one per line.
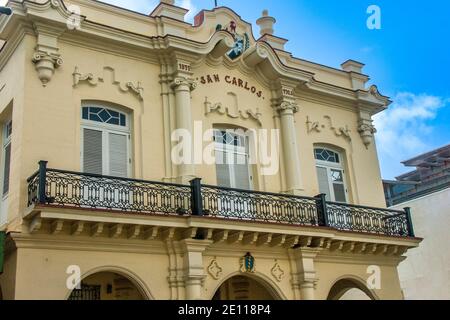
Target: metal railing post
322 213
409 222
42 197
197 202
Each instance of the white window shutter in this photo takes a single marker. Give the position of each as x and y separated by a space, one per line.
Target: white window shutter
324 186
118 155
92 151
223 170
241 172
6 169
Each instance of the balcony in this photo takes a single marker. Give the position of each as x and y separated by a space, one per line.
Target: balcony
66 189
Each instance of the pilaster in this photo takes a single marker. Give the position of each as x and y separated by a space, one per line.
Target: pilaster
304 278
182 85
194 274
286 106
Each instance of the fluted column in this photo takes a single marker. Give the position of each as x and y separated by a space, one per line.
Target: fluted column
182 88
286 110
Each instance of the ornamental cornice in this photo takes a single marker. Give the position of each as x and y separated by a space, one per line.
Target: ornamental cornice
261 57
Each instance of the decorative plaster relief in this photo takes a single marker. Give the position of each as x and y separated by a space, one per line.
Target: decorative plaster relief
92 80
277 272
214 269
367 130
45 64
318 127
233 111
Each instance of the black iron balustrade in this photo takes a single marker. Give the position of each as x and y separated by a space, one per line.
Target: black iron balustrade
238 204
73 189
81 190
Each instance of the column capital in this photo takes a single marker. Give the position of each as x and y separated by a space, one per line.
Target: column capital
287 106
182 83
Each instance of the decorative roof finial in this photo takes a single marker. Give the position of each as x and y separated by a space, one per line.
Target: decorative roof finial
266 23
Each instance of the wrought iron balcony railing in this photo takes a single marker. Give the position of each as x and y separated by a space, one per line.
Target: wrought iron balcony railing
80 190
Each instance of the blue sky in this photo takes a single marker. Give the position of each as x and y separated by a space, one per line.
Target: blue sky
409 58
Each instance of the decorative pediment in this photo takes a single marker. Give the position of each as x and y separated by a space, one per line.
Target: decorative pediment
223 18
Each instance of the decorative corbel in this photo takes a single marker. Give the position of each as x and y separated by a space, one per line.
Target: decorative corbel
366 130
46 57
45 64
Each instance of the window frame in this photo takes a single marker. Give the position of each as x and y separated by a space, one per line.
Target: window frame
333 166
6 141
233 150
106 130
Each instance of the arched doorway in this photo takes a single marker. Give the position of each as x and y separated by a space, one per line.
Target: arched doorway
244 288
107 286
350 289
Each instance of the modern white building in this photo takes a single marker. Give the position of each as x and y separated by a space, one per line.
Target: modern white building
425 274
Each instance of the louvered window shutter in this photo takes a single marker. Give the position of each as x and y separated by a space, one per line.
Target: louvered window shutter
241 172
118 155
324 186
6 169
223 170
92 151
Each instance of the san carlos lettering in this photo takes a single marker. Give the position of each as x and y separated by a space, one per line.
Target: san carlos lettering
234 81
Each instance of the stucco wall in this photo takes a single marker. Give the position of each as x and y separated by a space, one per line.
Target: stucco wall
425 274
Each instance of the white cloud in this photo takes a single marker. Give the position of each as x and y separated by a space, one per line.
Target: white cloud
2 2
403 130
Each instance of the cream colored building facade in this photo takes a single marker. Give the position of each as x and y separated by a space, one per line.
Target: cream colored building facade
104 92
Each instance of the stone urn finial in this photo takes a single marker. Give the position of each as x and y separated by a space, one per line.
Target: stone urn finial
266 23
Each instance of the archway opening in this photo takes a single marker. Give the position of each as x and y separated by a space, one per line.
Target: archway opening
349 289
107 286
243 288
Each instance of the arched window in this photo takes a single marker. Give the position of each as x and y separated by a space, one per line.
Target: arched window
232 159
331 174
105 141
